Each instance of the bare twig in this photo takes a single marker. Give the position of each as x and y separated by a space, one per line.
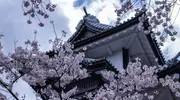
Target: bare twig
52 22
15 42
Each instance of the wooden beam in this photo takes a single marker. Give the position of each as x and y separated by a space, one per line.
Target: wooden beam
125 57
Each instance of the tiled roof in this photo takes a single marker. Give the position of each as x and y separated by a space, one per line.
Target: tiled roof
172 66
91 23
95 63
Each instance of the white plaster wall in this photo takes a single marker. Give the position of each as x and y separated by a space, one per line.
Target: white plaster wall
116 59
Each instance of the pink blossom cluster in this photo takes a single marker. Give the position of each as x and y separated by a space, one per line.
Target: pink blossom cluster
36 67
37 9
133 84
158 16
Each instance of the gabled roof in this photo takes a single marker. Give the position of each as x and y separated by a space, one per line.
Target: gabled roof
91 24
172 67
170 70
91 64
110 30
98 64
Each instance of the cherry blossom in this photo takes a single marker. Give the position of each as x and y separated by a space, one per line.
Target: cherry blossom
37 68
37 9
132 83
158 14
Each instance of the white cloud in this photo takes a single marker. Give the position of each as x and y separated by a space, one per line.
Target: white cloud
74 15
104 10
13 23
172 48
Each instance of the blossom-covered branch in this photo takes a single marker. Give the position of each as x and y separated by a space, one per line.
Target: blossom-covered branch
37 67
37 9
158 13
133 84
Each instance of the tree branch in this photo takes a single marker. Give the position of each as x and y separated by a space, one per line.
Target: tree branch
5 86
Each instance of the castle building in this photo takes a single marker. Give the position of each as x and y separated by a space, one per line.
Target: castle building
109 47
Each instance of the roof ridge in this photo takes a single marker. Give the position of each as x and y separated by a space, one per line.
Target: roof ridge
91 22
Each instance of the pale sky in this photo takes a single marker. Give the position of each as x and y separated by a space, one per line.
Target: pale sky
67 15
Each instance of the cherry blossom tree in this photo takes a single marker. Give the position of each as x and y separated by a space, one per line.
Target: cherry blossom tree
37 9
133 83
36 68
46 72
158 13
41 70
